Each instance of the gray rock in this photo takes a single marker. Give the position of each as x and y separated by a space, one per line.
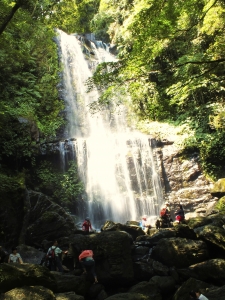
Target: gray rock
30 254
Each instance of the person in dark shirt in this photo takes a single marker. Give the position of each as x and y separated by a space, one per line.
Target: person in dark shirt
179 214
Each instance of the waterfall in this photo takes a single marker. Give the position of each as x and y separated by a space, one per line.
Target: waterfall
115 163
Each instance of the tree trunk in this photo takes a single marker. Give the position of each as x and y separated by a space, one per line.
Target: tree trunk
9 17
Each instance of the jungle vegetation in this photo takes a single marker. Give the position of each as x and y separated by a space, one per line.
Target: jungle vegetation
170 68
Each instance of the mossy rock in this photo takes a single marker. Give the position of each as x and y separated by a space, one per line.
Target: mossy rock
211 271
213 235
218 189
180 252
16 275
220 205
30 293
198 222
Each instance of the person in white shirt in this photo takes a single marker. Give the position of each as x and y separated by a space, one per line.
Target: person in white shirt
200 296
15 257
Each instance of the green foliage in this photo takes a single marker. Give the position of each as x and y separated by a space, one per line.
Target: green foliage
10 183
100 26
29 107
63 187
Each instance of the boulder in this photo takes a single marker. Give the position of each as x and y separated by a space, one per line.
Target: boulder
159 268
133 230
112 253
156 237
213 236
134 296
184 231
215 293
143 270
166 284
16 275
211 271
218 190
102 295
180 252
46 220
140 252
145 288
191 284
181 230
97 290
68 296
30 293
69 283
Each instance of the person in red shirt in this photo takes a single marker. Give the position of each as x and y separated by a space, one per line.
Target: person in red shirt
87 262
86 225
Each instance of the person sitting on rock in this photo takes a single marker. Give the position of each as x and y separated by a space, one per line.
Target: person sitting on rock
86 225
87 262
145 224
200 296
15 257
179 214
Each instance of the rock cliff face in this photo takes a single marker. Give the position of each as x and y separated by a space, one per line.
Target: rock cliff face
33 219
182 179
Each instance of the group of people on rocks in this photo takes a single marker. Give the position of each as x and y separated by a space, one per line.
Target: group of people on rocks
86 259
179 213
164 219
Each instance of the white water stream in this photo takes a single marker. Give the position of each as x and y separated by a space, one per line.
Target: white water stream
115 163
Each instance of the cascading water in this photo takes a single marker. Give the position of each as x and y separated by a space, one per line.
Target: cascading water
115 163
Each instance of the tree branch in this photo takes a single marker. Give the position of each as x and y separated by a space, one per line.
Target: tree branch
202 62
9 17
